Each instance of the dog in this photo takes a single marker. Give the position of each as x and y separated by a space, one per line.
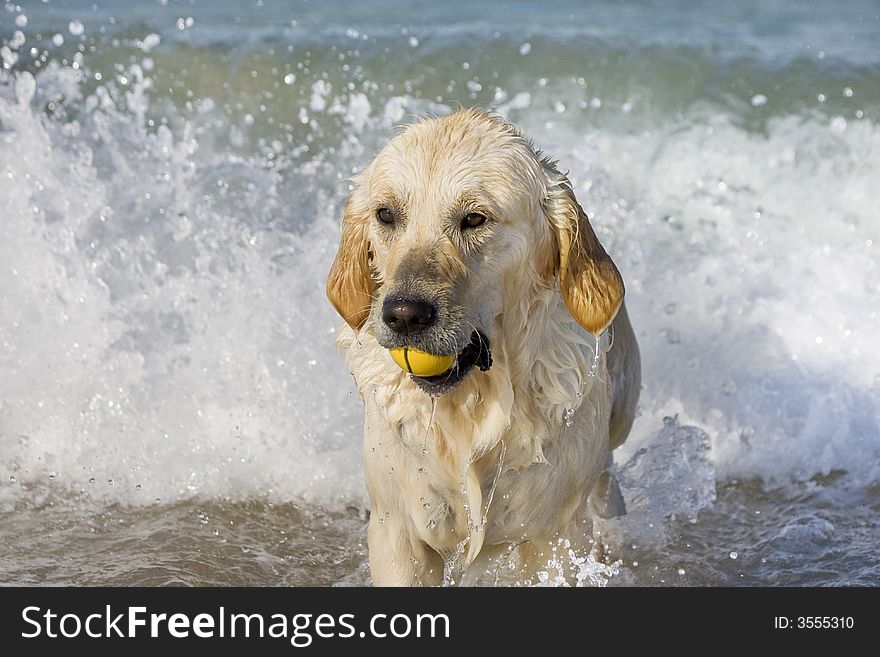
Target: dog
461 238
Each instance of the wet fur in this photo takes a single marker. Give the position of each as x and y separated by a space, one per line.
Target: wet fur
535 432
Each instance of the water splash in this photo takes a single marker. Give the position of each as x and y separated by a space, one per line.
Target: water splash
453 564
567 566
160 249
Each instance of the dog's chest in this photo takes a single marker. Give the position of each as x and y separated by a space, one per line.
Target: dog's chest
424 476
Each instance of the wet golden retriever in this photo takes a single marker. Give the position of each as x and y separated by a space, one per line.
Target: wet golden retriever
461 239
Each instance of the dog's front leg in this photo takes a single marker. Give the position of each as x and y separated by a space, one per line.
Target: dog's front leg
398 559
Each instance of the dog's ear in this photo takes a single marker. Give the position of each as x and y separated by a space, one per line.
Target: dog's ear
350 282
590 283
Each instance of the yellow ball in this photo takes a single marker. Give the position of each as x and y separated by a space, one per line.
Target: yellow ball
421 363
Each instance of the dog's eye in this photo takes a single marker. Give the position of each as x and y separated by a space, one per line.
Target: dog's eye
473 220
385 215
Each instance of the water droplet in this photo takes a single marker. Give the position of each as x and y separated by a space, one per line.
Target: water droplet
567 415
290 78
11 479
92 480
594 366
734 555
525 49
25 87
681 571
138 486
426 506
110 482
52 476
672 336
413 42
758 100
76 27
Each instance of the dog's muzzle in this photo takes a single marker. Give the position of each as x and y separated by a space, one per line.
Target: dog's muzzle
477 352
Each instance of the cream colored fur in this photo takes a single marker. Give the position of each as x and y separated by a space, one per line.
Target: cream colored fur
484 479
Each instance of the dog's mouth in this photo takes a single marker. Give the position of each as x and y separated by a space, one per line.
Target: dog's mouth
477 353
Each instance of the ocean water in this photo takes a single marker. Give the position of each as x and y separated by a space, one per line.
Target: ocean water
172 409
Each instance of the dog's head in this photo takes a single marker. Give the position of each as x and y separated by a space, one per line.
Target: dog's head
451 209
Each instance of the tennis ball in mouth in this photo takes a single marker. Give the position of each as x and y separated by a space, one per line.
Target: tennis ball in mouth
420 363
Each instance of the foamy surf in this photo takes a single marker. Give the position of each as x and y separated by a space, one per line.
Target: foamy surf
171 187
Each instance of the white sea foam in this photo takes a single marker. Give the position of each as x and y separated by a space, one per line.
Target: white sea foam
152 337
753 279
163 331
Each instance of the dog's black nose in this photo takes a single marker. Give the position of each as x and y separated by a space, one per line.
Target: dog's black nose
408 316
